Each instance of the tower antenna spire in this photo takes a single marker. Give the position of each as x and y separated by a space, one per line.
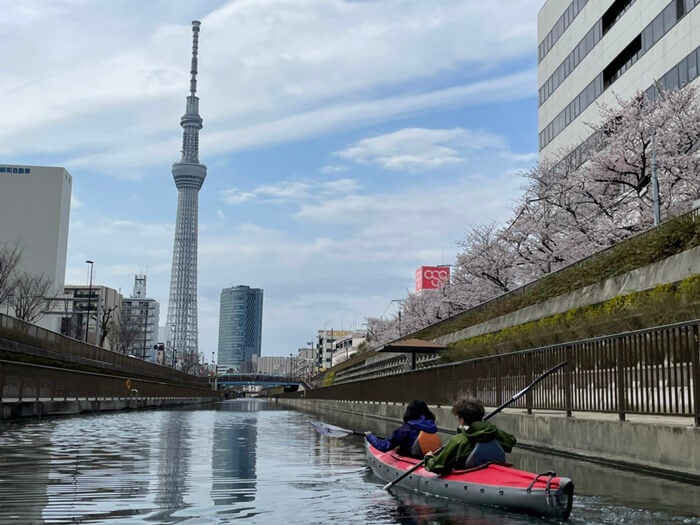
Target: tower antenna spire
189 175
193 68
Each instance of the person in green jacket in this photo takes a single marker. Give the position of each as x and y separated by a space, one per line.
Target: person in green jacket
472 430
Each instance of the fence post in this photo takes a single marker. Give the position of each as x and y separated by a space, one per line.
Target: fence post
499 385
695 350
528 368
620 366
568 352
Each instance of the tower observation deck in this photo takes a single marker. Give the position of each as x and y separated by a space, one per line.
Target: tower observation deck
189 176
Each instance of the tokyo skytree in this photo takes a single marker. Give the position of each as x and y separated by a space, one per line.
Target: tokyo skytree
189 176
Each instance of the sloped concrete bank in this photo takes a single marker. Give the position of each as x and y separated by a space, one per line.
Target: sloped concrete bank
25 409
655 445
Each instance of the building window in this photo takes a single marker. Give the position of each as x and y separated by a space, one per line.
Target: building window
614 13
2 170
622 62
692 66
671 79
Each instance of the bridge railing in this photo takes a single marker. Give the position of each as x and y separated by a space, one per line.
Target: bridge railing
60 346
653 371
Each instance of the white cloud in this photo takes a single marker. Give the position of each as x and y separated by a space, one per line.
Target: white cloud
291 191
287 71
333 169
418 149
75 202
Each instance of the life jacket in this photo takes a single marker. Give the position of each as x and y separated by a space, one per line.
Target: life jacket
424 443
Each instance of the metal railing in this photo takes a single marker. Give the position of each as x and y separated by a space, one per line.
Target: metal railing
23 382
61 346
653 371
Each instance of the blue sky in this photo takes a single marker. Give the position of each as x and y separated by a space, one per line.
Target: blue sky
347 142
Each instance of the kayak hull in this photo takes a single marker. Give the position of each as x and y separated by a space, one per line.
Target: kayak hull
492 485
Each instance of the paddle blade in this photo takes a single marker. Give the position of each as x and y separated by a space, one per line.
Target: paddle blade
330 430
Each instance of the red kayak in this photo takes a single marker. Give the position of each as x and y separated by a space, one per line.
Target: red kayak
493 484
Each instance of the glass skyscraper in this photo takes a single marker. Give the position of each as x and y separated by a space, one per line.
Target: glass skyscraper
240 326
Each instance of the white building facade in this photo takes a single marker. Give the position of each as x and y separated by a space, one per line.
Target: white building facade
141 315
591 51
347 346
34 214
325 345
273 365
96 305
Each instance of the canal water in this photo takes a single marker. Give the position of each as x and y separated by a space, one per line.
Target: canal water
248 461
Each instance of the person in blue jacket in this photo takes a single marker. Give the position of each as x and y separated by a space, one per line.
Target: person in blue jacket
415 437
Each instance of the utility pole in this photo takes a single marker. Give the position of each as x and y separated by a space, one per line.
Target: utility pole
398 301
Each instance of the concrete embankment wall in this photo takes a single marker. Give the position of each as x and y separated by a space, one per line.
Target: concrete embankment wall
655 446
24 409
670 270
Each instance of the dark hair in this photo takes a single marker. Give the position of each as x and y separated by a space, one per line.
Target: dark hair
470 409
416 409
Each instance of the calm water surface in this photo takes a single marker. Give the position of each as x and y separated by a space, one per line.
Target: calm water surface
246 461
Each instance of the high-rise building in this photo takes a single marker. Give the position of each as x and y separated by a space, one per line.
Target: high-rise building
140 316
592 51
34 216
240 326
189 176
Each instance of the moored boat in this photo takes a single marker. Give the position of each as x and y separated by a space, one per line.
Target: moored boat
493 484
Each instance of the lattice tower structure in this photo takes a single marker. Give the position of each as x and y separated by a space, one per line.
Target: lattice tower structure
189 175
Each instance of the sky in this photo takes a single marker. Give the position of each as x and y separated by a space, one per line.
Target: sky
347 142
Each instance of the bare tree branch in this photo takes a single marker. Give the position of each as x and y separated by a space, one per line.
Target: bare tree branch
31 296
10 256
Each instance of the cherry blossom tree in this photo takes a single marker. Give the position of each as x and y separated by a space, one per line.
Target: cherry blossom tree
569 211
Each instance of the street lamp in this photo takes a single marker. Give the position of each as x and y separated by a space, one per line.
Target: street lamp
87 319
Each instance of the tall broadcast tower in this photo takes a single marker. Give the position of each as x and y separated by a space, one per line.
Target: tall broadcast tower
189 176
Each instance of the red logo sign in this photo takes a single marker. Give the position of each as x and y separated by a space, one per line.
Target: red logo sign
430 277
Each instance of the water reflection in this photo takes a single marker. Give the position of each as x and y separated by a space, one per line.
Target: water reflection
233 458
172 465
249 461
24 474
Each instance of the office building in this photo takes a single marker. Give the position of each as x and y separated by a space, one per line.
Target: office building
140 316
347 346
240 326
34 214
592 51
272 365
97 305
325 344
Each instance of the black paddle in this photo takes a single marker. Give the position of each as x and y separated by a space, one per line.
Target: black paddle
332 431
490 415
